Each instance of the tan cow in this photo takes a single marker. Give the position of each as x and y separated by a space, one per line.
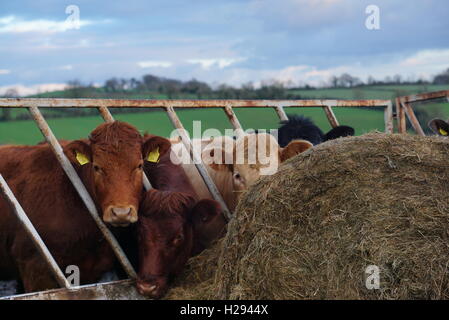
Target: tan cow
248 158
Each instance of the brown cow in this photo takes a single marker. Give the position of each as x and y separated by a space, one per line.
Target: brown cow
173 225
110 166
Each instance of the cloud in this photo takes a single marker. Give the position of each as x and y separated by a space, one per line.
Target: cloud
221 63
66 67
154 64
423 64
23 90
4 71
13 24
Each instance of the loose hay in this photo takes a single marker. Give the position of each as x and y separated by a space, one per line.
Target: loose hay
310 231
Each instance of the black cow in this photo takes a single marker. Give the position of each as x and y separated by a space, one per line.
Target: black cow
300 127
440 127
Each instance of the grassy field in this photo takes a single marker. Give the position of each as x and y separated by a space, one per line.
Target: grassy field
156 122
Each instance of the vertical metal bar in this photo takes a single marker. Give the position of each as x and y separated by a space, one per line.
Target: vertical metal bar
234 121
413 120
388 112
107 116
33 234
402 123
331 116
81 189
198 161
281 113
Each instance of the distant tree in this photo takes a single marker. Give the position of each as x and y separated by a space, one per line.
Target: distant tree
371 81
397 79
334 81
346 80
442 78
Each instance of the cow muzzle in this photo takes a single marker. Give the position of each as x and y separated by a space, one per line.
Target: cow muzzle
120 216
155 287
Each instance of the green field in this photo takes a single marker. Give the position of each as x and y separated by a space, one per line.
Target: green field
156 121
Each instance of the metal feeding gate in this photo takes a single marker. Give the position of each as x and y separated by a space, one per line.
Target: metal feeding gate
404 107
124 289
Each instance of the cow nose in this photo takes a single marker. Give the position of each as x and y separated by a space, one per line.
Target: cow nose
121 213
149 290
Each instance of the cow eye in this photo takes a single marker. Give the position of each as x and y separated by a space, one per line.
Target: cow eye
140 166
97 168
237 176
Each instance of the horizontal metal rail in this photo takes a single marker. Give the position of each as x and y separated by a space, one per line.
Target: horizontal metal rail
33 234
114 290
153 103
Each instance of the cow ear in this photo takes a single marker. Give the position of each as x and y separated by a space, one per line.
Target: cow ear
154 148
216 159
79 152
293 148
439 126
204 211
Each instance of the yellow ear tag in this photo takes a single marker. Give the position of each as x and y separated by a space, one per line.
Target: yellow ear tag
82 158
153 156
443 132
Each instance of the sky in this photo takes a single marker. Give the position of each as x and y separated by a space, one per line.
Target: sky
43 45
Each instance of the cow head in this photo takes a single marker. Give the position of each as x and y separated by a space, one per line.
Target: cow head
166 236
110 163
440 127
253 155
165 239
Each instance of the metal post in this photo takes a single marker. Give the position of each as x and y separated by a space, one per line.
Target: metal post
234 121
402 123
388 112
33 234
198 161
81 189
107 116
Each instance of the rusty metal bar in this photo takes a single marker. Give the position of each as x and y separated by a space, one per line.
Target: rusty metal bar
33 234
425 96
198 161
81 189
153 103
413 120
281 113
234 121
389 124
107 116
331 116
114 290
402 123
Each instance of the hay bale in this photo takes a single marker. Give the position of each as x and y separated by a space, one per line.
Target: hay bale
310 231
